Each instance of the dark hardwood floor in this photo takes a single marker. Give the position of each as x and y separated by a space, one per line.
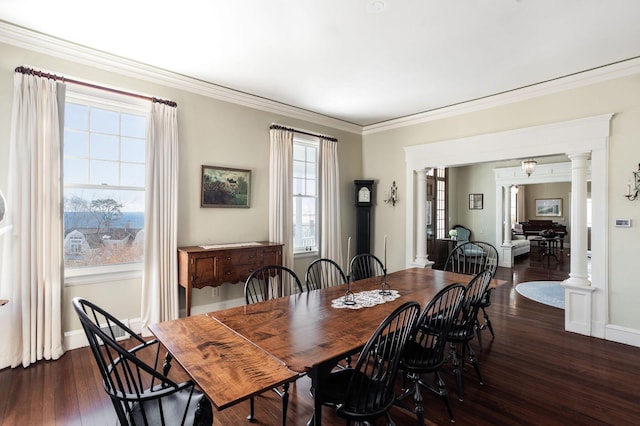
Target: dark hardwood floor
535 374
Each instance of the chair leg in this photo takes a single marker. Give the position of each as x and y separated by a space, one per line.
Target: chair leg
487 321
417 399
455 363
473 360
285 403
250 417
479 333
442 391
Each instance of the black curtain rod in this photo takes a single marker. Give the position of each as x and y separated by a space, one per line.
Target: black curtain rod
279 127
29 71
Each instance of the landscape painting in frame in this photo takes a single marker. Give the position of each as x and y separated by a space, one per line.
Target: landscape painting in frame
225 187
549 207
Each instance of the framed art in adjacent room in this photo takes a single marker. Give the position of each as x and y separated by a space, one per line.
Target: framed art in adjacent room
476 201
549 207
225 187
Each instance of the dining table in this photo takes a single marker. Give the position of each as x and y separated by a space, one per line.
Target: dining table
256 347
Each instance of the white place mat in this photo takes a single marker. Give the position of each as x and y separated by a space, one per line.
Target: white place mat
366 299
230 245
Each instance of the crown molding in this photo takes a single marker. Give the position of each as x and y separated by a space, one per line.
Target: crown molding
597 75
42 43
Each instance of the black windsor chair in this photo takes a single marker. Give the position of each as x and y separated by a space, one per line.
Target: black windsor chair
425 351
463 329
141 393
270 282
471 258
324 273
366 391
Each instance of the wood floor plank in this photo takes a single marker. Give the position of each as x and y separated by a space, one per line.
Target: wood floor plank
535 374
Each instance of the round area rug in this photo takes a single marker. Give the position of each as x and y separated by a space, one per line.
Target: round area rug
548 292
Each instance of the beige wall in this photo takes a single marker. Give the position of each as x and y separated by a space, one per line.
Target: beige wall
211 132
383 158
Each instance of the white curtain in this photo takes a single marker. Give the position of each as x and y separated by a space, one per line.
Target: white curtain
160 277
281 192
521 208
32 254
330 240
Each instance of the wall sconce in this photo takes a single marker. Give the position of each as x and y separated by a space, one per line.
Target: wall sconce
391 196
528 166
632 194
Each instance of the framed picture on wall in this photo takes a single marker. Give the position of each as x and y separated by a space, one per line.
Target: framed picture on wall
476 201
225 187
549 207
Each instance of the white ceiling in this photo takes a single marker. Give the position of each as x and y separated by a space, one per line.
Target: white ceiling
360 61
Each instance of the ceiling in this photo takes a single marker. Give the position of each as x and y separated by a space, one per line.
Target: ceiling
361 61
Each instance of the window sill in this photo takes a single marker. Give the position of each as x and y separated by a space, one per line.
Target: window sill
304 254
100 274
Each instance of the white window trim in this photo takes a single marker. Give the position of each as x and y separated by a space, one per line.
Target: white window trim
122 103
315 142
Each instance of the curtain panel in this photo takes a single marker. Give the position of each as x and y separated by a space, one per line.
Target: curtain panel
281 192
32 274
160 276
331 228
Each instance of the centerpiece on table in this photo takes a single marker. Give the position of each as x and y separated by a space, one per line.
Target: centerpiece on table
453 234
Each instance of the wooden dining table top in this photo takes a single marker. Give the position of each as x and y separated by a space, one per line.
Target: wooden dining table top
227 367
304 330
237 353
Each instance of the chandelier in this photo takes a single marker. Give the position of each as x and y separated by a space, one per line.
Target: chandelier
528 166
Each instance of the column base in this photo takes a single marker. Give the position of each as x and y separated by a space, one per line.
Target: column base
422 263
506 255
578 295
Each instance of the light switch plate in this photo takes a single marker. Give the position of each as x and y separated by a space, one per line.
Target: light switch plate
623 223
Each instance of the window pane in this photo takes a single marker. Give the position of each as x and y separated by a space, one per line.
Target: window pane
76 116
298 169
133 126
104 173
298 152
298 187
105 121
102 226
76 171
133 150
104 147
76 144
132 174
311 171
311 188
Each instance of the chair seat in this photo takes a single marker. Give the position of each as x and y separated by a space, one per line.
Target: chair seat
460 333
173 409
419 359
335 392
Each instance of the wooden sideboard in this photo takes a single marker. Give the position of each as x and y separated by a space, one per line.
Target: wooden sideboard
214 265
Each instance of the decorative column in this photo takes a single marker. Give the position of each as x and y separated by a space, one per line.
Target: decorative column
422 258
579 270
577 288
506 247
507 215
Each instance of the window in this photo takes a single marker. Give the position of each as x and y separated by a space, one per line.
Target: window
514 204
305 195
104 184
440 176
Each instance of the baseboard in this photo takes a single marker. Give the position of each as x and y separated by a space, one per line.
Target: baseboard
628 336
75 339
217 306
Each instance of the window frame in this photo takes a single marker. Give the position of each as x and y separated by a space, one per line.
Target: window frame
124 104
308 141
